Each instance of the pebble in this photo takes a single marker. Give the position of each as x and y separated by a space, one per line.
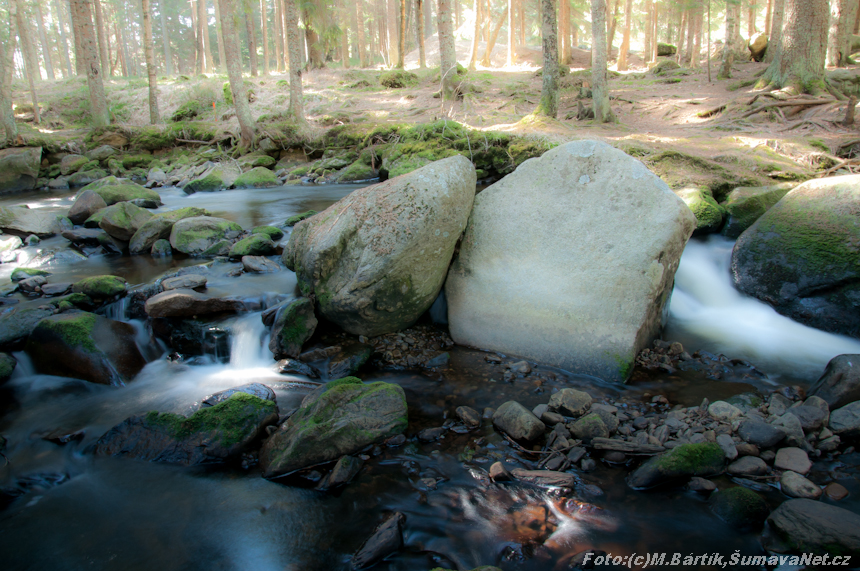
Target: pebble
748 466
793 459
614 457
588 465
836 491
701 485
796 486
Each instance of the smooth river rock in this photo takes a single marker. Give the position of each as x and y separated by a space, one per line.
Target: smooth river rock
19 168
201 235
840 383
376 260
808 526
187 303
570 261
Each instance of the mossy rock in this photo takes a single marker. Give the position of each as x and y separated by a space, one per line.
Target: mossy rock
682 462
256 160
257 177
664 66
84 178
293 220
203 235
186 111
272 232
137 161
709 214
334 420
745 205
740 507
398 79
123 219
664 49
253 245
113 190
7 366
294 325
357 171
100 287
19 274
94 220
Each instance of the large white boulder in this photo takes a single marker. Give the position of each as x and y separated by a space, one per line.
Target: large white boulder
570 261
376 260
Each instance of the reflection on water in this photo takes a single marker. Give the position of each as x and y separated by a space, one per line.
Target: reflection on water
707 312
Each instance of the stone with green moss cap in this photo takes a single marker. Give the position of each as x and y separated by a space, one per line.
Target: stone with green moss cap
16 325
376 260
19 274
545 273
745 205
159 226
294 324
217 177
257 177
212 434
709 214
682 462
340 417
85 346
113 190
803 255
293 220
197 235
272 232
100 287
740 507
19 168
253 245
123 219
7 366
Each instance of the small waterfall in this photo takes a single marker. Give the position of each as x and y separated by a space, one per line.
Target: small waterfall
707 312
249 346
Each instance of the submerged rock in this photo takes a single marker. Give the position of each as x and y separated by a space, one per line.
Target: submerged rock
376 260
16 325
386 540
85 346
803 255
201 235
258 390
216 177
257 177
808 526
339 418
7 366
212 434
253 245
740 507
682 462
294 324
570 261
100 287
518 422
19 168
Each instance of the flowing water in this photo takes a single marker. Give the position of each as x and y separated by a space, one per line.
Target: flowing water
76 511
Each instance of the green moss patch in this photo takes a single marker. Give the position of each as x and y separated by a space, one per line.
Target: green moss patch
293 220
76 330
100 287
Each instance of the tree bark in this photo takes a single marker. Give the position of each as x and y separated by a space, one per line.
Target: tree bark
494 36
697 35
345 12
625 39
422 57
728 50
654 27
599 83
7 65
203 18
104 57
549 93
447 52
682 29
165 41
798 67
512 49
776 26
31 62
691 33
649 9
279 36
359 28
222 57
393 43
751 19
428 18
150 62
843 14
613 25
64 43
476 37
296 109
767 18
401 36
564 30
248 13
83 19
229 21
316 59
43 39
264 16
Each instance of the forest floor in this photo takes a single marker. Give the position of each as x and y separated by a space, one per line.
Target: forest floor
660 112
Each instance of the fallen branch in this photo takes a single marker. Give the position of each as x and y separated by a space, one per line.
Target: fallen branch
711 112
841 165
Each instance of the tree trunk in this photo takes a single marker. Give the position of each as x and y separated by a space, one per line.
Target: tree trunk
83 22
316 58
447 52
625 39
7 68
512 49
564 28
393 40
494 36
401 36
43 39
691 32
775 44
751 19
31 62
767 18
549 93
654 28
857 23
222 57
476 37
422 28
649 9
359 28
682 29
799 65
64 43
120 53
291 13
345 12
843 14
101 31
613 25
248 14
521 26
279 36
264 16
728 50
428 18
697 35
199 8
165 41
203 17
599 83
229 21
150 63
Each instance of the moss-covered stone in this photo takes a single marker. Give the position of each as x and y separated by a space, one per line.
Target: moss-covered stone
256 160
335 421
84 178
398 79
272 232
159 226
709 214
123 219
75 330
197 236
113 190
357 171
684 461
293 220
745 205
294 325
19 274
7 366
100 287
740 507
137 161
186 111
257 177
94 220
161 248
253 245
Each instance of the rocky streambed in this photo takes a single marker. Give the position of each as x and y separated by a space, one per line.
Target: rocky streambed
201 409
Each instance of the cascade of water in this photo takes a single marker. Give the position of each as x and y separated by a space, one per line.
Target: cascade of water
250 343
707 311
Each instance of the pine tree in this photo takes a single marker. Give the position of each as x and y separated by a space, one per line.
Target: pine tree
247 127
599 87
548 105
150 62
447 53
83 22
798 67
